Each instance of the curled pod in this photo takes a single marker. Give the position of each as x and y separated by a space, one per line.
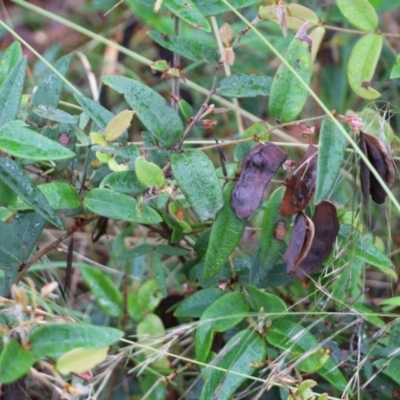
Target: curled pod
300 187
326 229
259 166
300 242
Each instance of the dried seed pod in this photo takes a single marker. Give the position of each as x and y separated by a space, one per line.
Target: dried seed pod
326 226
300 187
364 171
300 242
258 168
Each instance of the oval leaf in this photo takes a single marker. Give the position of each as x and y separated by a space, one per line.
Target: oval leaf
270 303
288 95
362 63
151 108
25 143
360 13
53 340
9 59
100 115
60 195
118 125
239 355
148 173
332 146
104 290
124 182
116 205
11 92
225 313
226 232
12 251
195 175
300 187
189 48
188 11
80 360
259 166
54 114
14 362
242 85
12 174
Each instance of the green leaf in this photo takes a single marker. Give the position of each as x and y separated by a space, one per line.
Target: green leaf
195 305
49 89
25 143
11 249
362 63
53 340
118 125
195 175
148 173
172 250
226 233
60 195
359 13
364 248
242 85
14 362
239 354
11 92
288 95
145 300
104 290
136 252
124 182
157 268
270 303
225 313
332 147
395 73
259 129
12 174
186 47
187 10
270 245
214 7
116 205
281 334
151 108
7 196
11 56
54 114
100 115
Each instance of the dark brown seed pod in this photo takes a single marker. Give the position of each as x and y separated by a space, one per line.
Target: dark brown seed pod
364 171
300 242
326 226
300 187
259 166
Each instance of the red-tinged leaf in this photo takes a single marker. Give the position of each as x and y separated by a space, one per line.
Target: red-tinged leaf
300 187
326 226
259 167
300 243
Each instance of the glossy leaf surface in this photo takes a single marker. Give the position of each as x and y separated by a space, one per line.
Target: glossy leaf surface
54 114
116 205
195 305
10 57
19 141
332 146
12 174
187 10
300 187
100 115
241 351
124 182
187 47
243 85
148 173
151 108
225 313
195 175
359 13
288 95
11 250
60 195
226 232
45 340
104 290
362 63
258 168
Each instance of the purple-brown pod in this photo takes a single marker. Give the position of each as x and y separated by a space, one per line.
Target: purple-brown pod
300 242
258 168
364 171
326 227
300 187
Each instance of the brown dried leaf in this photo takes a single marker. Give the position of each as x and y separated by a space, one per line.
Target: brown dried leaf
300 187
326 225
258 168
300 242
